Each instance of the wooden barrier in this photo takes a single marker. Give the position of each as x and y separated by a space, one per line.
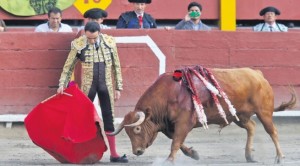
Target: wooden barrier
31 63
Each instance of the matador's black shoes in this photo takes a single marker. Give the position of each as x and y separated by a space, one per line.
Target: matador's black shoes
122 159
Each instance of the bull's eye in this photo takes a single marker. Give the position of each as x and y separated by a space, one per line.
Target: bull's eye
137 129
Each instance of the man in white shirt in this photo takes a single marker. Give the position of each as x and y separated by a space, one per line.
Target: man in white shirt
270 25
54 23
2 26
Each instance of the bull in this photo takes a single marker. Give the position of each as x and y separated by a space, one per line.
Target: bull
167 107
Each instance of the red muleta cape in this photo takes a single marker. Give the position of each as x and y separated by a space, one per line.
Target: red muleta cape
65 126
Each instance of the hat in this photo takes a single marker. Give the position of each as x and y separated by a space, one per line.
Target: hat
269 9
139 1
95 13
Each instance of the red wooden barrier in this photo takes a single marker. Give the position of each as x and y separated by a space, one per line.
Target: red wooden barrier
31 63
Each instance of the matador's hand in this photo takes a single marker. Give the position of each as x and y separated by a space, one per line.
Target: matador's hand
60 90
117 95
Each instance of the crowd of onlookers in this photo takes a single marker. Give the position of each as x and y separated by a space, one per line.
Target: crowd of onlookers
138 18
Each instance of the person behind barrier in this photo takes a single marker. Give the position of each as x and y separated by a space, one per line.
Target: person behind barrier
2 26
192 19
270 25
100 63
137 19
98 15
54 22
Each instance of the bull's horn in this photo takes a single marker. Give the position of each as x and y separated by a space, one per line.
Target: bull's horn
119 129
141 116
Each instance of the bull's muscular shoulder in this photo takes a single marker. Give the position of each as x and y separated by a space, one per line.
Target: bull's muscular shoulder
238 74
241 82
109 40
236 70
259 72
79 43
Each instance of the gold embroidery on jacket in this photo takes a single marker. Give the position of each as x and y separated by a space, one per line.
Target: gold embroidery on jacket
107 54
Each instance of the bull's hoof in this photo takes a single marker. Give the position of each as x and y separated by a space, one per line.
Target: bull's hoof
168 162
250 159
249 156
279 160
191 153
194 155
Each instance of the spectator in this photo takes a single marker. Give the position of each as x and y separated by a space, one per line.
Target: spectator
192 20
270 25
2 26
138 18
54 23
96 15
98 56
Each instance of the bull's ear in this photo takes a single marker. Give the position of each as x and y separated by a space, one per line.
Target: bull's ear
148 114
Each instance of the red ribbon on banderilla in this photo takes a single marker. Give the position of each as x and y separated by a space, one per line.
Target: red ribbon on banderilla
205 75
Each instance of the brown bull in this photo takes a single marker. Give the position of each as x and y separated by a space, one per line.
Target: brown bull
167 107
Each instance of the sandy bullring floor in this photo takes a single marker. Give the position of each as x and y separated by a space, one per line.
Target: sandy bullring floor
226 148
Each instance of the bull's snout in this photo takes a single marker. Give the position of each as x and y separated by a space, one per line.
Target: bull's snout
139 152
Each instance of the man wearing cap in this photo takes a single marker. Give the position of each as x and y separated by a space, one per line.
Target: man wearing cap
96 15
98 56
192 19
270 25
137 19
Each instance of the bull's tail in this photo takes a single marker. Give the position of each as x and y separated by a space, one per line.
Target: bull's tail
289 105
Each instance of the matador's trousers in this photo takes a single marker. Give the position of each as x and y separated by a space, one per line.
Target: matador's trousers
99 87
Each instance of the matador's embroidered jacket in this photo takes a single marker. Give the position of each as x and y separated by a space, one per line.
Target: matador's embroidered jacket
107 53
